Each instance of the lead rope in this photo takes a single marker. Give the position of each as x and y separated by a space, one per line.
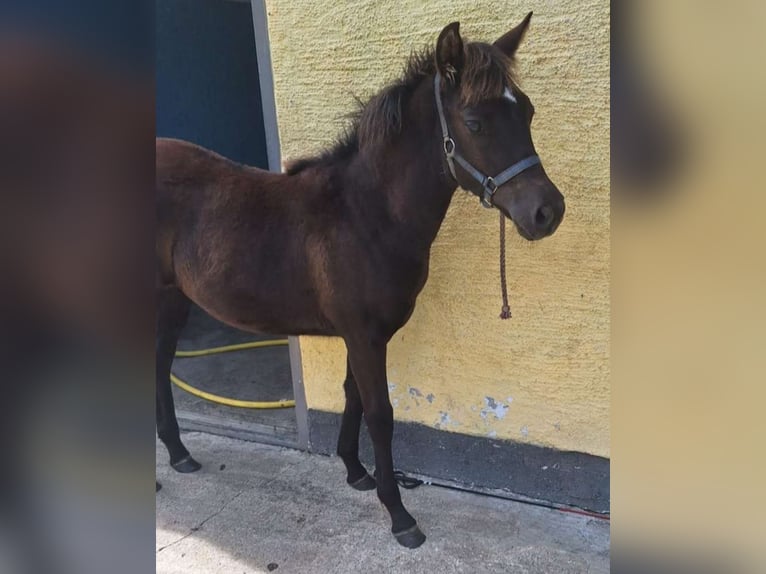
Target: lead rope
505 313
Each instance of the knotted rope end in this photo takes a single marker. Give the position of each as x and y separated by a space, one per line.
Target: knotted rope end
506 312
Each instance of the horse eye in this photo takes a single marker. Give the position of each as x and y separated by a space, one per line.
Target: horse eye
473 125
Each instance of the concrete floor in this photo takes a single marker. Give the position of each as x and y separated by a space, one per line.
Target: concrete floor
257 508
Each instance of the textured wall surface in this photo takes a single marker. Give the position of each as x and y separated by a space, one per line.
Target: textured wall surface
543 376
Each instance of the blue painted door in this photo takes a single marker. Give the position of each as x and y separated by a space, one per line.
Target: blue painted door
208 90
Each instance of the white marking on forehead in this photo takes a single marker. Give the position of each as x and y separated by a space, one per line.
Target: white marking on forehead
508 95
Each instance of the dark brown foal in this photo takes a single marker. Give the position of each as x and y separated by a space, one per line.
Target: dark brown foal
339 245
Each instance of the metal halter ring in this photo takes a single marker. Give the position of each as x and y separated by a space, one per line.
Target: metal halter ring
449 146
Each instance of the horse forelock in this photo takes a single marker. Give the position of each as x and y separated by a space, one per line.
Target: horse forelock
486 74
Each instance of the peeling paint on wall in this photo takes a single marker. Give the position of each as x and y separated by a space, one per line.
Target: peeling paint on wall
492 407
445 421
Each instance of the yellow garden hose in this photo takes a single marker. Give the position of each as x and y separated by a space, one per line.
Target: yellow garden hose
225 400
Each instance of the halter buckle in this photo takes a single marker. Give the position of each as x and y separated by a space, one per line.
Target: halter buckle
490 187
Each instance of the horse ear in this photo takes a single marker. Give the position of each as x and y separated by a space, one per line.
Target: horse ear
509 42
449 52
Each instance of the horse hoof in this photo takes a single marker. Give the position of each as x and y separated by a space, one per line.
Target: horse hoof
410 538
186 464
364 483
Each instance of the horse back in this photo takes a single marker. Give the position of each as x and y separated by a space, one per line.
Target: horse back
234 239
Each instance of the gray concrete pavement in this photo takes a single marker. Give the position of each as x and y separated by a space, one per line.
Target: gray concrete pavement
256 508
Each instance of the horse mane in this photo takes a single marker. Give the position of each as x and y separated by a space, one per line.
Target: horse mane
486 73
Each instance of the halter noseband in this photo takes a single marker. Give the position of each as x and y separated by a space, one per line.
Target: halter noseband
488 184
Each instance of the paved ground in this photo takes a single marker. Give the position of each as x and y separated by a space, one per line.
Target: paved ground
256 508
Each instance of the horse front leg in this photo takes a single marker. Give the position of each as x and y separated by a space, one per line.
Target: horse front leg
368 363
348 439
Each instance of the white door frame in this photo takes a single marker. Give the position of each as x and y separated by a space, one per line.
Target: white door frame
270 128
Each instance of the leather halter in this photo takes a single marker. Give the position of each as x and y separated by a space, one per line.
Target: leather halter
488 184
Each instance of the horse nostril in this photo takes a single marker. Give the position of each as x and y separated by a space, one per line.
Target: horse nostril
544 216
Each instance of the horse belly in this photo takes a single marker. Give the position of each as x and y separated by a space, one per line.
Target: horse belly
269 303
283 312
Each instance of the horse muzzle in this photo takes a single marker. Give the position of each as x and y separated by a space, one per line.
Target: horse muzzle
535 207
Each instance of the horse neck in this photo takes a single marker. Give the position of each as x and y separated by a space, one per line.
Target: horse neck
414 176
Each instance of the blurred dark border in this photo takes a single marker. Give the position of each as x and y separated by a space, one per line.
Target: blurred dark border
114 33
76 318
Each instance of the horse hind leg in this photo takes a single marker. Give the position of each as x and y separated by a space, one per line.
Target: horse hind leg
172 312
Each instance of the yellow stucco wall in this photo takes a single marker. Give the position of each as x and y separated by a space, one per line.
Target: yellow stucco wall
543 376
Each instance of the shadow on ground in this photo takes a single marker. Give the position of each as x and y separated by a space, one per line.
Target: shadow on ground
257 508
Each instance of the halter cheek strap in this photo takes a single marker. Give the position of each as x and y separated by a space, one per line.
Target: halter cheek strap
489 184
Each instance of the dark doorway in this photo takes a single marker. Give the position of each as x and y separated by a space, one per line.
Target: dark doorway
208 92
